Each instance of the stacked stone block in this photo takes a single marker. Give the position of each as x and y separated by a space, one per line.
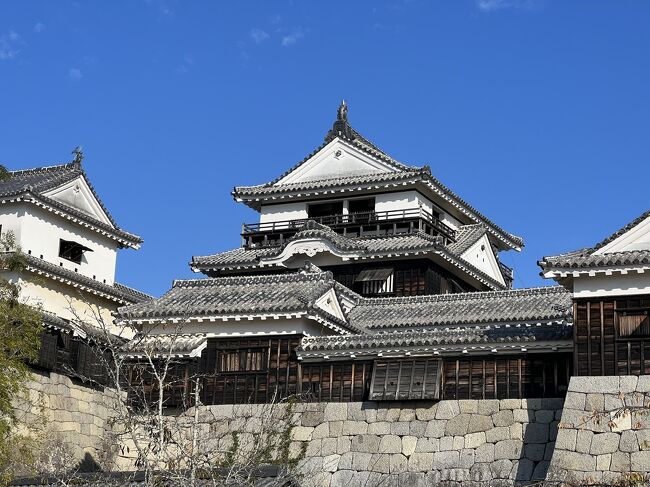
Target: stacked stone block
604 431
487 442
70 417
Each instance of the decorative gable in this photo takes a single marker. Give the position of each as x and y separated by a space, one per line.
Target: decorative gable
481 256
335 160
329 303
636 238
77 194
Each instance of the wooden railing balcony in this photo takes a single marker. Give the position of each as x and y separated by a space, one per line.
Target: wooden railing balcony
362 224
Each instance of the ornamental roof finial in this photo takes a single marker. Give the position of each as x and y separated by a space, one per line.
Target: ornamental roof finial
342 114
78 155
341 127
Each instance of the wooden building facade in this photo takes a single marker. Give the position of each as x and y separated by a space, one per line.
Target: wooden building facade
236 371
612 336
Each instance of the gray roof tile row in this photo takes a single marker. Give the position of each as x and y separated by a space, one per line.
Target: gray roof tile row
286 293
366 246
119 292
587 258
459 335
40 180
511 306
403 173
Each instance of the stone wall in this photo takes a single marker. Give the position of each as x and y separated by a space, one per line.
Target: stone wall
488 442
604 433
72 421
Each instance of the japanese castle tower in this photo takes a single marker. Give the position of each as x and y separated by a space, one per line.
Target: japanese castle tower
364 278
69 241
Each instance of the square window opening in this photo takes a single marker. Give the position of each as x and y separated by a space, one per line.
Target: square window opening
72 251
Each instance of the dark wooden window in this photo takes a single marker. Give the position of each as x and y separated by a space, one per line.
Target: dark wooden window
47 352
633 323
612 336
410 278
243 370
246 360
337 382
315 210
405 379
72 251
375 282
90 362
84 360
361 205
178 389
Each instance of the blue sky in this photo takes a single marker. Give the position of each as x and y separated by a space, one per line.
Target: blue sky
535 111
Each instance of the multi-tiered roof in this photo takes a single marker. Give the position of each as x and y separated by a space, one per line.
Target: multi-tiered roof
267 279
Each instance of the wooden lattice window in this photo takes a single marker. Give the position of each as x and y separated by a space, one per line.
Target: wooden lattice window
633 323
47 352
242 360
405 379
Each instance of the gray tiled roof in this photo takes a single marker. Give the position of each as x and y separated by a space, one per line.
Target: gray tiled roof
511 306
40 180
466 236
423 174
119 292
458 335
370 245
312 229
343 131
622 230
586 258
366 246
353 180
240 295
177 345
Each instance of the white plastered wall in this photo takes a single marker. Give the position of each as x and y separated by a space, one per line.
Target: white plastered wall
39 231
66 301
283 212
336 159
246 327
616 284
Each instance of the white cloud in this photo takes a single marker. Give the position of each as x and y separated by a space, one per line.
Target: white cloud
75 74
39 27
491 5
9 43
292 38
259 35
185 66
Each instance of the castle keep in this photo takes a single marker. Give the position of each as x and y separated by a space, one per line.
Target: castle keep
364 279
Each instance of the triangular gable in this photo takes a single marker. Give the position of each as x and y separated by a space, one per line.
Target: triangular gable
78 194
481 256
329 303
633 237
336 159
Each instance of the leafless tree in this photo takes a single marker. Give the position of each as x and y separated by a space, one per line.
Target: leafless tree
160 428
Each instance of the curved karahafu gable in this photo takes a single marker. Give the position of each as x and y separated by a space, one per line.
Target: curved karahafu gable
314 238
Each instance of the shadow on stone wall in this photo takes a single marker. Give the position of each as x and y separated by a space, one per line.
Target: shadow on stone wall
539 420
